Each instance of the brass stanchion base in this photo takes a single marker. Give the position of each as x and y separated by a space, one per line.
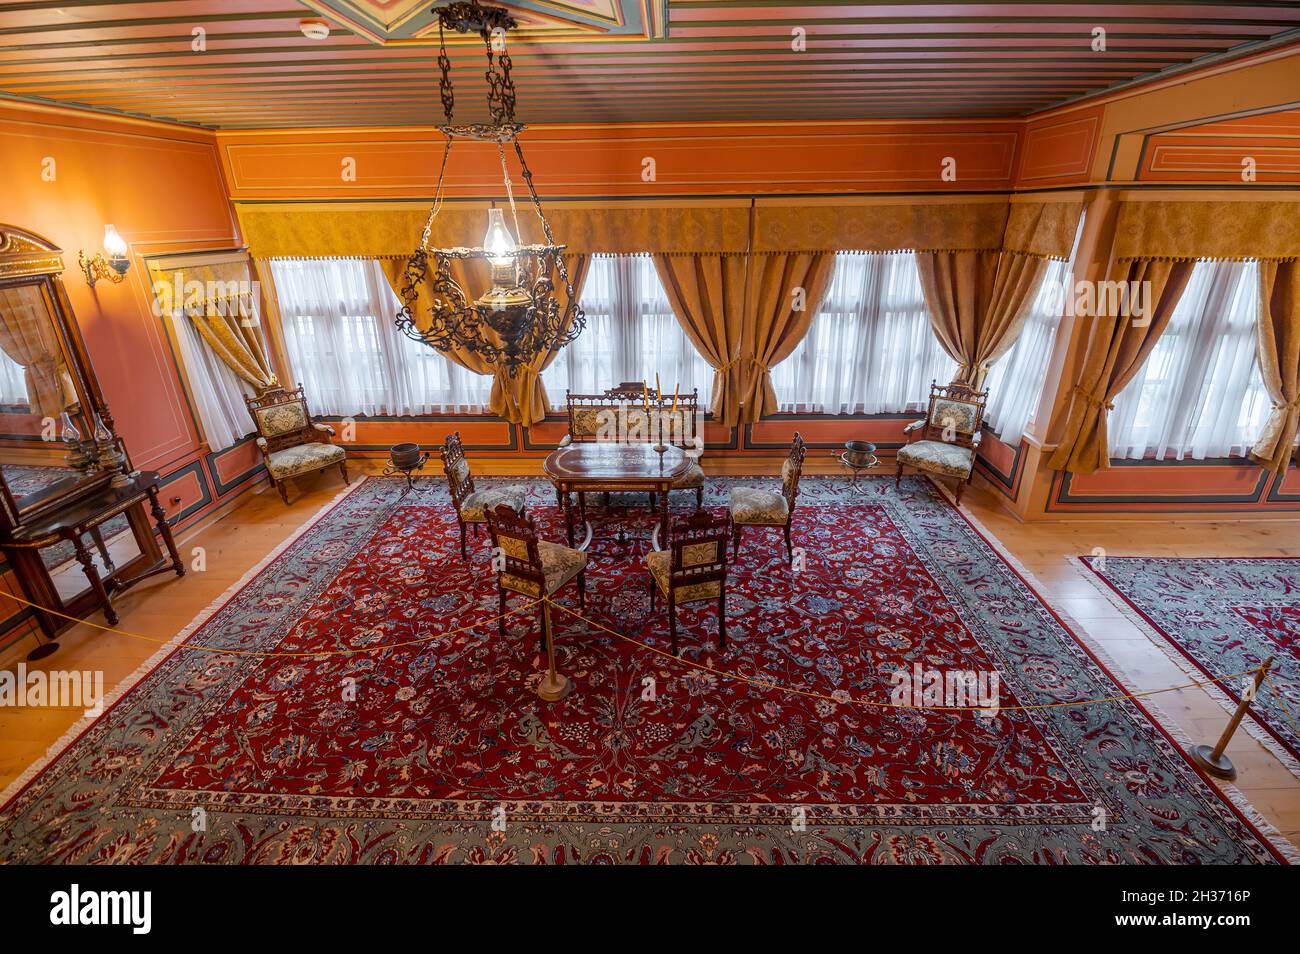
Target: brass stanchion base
43 650
554 690
1203 755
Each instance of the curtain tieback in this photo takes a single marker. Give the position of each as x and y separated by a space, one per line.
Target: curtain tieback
1094 400
1291 405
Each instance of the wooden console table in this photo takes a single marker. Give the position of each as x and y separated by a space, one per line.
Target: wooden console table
84 517
616 468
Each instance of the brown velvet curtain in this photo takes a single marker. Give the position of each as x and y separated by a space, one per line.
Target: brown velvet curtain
1117 348
786 290
520 399
976 302
1279 361
707 293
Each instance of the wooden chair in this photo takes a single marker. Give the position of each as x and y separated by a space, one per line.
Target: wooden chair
693 567
472 506
950 435
679 427
290 442
532 567
755 507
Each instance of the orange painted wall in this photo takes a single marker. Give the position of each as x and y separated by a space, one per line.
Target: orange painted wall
598 161
162 186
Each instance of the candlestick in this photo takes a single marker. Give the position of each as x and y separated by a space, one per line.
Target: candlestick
676 391
645 388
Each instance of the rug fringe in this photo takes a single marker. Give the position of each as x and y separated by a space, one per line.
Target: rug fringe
84 723
1270 832
1185 665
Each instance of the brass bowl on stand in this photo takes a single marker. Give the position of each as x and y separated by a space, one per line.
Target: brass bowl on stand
859 456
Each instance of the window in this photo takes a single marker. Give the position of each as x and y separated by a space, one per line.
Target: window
13 382
631 335
339 332
870 348
217 391
1200 393
1015 382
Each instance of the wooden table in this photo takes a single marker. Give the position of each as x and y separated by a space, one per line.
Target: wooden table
85 516
605 466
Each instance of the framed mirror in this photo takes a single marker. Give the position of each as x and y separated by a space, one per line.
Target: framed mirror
47 400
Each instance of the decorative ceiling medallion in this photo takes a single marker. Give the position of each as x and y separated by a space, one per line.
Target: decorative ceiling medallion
396 22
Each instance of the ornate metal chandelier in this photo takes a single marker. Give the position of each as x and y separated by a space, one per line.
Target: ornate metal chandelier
519 316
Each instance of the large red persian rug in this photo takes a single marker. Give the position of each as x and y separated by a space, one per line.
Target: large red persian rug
1222 615
374 714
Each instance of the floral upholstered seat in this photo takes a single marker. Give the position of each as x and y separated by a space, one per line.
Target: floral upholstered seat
752 506
302 459
475 507
936 457
692 479
290 442
560 564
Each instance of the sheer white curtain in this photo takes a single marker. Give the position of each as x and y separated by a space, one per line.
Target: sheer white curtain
13 381
870 348
1015 382
1199 394
631 335
217 391
344 347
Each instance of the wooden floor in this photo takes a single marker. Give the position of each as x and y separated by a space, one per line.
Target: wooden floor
238 541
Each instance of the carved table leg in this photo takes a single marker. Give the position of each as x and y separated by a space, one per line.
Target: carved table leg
96 584
568 516
160 521
98 537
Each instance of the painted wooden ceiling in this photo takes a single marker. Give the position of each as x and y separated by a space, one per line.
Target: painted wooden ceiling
246 63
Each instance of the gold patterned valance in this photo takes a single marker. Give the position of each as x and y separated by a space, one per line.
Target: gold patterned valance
200 286
1044 229
885 227
1216 230
379 231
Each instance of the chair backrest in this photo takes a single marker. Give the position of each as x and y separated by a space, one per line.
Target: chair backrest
515 537
460 481
956 413
680 425
699 548
792 469
591 416
281 417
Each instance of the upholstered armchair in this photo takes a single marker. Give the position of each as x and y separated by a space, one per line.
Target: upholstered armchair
473 506
693 568
290 442
949 435
757 507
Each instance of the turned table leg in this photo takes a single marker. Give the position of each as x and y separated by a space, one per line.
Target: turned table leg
98 537
96 584
165 531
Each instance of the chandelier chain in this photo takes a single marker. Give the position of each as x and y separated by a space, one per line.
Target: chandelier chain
445 89
521 317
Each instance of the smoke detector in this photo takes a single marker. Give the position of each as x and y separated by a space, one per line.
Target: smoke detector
314 29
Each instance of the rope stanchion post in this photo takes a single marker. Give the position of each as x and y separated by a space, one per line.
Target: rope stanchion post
554 685
1213 760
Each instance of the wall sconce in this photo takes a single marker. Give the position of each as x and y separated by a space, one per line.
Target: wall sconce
112 263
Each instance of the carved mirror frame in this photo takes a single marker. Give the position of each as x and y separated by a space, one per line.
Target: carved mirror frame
29 259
